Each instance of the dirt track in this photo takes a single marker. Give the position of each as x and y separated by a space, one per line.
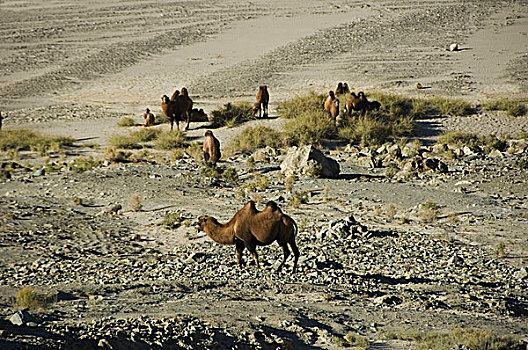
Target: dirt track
70 69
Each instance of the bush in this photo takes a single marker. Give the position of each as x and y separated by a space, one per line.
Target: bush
170 140
459 138
251 139
429 211
514 108
195 150
366 130
299 105
219 172
310 127
172 220
28 140
135 202
82 164
117 156
27 297
126 122
124 141
231 114
454 107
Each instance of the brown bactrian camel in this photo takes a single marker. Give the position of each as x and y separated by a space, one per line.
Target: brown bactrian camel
250 228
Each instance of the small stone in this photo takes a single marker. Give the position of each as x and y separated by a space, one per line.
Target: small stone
453 47
521 274
21 317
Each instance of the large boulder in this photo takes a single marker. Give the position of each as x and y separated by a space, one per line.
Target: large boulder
307 160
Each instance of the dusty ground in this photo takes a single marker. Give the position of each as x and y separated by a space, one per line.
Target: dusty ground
70 69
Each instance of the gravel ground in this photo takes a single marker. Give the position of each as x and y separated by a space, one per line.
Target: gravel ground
369 265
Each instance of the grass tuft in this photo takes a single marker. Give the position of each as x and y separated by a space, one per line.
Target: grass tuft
231 114
28 297
126 122
28 140
514 108
252 138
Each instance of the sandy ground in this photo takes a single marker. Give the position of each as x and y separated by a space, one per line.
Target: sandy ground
76 68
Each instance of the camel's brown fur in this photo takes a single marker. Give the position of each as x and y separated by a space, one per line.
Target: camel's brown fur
331 105
356 103
177 109
250 228
149 118
261 105
211 148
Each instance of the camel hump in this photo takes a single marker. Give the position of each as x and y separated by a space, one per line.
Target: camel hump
272 205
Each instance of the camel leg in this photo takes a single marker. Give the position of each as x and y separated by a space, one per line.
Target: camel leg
239 251
296 253
255 255
188 119
265 108
172 123
286 254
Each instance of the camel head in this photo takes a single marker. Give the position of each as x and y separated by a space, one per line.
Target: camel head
201 223
165 99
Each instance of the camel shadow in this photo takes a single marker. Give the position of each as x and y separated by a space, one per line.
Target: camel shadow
358 176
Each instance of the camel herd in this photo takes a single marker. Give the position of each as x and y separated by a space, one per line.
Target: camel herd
250 227
358 103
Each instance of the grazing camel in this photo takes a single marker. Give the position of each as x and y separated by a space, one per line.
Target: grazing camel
149 118
356 103
211 148
250 228
261 105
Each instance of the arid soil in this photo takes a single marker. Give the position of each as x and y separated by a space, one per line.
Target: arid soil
370 264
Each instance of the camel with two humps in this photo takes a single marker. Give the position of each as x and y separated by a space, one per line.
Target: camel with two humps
250 228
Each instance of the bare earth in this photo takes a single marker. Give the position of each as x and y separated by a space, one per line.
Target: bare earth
126 281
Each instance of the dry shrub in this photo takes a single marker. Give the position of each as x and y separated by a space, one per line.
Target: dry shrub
135 202
391 211
126 122
195 150
429 211
288 183
28 297
117 156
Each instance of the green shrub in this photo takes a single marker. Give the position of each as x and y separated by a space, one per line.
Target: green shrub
124 141
459 138
299 105
28 140
117 156
126 122
231 114
514 108
82 164
366 131
171 220
28 297
195 150
252 138
310 127
170 140
219 172
453 107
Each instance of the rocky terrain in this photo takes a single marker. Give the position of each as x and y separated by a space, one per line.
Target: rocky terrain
404 241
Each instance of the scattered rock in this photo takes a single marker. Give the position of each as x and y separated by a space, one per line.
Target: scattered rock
453 47
22 317
307 160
